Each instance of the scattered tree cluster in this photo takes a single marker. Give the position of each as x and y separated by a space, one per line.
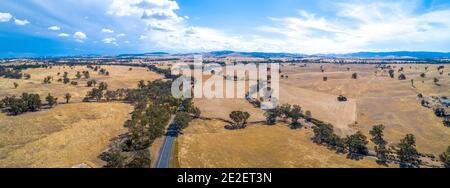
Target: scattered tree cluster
26 103
10 73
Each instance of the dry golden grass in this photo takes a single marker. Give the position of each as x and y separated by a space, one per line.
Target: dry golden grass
61 137
374 99
69 134
207 144
120 77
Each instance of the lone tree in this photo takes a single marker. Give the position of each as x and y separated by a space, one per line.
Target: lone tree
325 78
407 153
445 158
16 85
355 75
78 75
356 145
423 75
51 101
436 81
295 114
86 74
392 73
67 97
240 119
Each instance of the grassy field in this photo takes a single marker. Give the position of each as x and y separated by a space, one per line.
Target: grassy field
61 137
120 77
374 98
68 134
206 144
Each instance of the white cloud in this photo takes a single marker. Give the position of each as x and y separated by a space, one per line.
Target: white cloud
104 30
121 35
159 15
110 40
54 28
354 26
21 22
362 26
5 17
142 37
63 35
79 36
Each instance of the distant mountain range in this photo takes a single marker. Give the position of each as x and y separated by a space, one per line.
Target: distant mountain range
405 54
397 54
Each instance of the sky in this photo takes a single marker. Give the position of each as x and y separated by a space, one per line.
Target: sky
108 27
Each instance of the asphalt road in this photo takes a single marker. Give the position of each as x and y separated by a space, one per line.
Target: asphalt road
165 153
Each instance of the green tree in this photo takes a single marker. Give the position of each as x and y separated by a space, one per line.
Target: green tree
86 74
384 155
16 85
91 83
436 81
196 112
445 158
391 73
140 159
295 114
285 111
141 84
271 116
96 94
111 95
407 153
377 135
78 75
240 119
323 133
67 97
115 159
51 101
182 120
356 145
103 86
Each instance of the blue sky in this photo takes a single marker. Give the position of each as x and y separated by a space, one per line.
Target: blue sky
71 27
